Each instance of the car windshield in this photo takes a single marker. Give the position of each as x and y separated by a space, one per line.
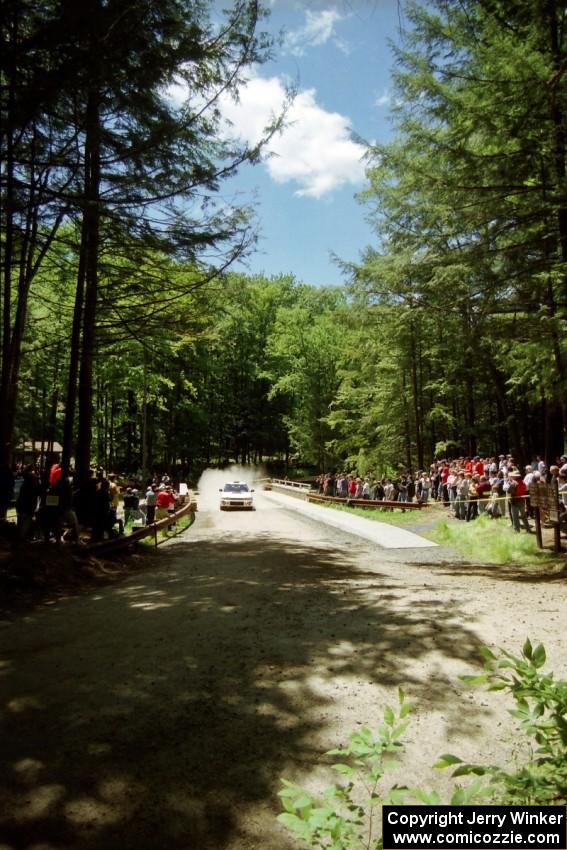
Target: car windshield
236 488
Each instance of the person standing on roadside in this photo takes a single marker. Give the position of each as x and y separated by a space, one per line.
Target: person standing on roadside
517 490
63 490
132 511
101 512
150 504
6 489
462 495
483 493
164 499
425 488
114 494
352 487
27 504
472 498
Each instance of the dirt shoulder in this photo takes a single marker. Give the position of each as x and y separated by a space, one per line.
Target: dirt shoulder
161 709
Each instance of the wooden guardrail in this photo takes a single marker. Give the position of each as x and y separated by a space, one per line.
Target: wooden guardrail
544 501
312 496
295 489
296 485
365 503
124 540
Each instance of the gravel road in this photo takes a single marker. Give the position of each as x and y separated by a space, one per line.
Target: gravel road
160 712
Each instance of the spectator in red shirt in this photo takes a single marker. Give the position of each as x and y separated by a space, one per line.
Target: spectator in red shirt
478 466
483 491
164 499
516 492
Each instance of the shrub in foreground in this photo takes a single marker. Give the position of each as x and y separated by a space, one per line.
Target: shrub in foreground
340 821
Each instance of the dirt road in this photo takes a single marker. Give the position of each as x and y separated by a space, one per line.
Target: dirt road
159 713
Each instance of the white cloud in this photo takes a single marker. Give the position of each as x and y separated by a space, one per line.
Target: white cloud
319 27
314 150
384 99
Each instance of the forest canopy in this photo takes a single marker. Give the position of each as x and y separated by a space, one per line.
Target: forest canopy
128 337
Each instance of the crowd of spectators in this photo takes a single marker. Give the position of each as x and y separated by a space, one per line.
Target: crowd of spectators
50 506
467 486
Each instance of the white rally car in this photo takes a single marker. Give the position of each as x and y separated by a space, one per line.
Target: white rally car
236 494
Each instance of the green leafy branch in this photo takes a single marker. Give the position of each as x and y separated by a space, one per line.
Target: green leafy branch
339 821
345 817
541 707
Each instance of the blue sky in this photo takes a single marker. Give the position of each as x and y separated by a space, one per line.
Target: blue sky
337 54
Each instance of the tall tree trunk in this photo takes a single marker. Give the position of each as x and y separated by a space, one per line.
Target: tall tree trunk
553 11
471 416
8 248
106 430
30 255
145 418
111 434
407 421
131 429
52 422
150 438
5 442
75 352
415 385
91 215
554 438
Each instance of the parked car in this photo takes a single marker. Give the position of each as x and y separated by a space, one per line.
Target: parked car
236 494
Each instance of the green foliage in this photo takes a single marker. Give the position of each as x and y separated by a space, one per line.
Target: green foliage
304 350
489 541
340 821
452 334
388 515
109 169
164 534
344 819
483 541
541 708
470 239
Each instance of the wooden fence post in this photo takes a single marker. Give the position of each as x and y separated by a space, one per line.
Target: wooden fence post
539 536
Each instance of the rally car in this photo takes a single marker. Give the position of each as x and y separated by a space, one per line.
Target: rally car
236 494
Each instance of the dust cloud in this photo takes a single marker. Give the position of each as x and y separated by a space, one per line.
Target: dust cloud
213 480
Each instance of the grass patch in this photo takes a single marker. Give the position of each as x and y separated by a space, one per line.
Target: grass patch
483 541
164 534
392 517
490 541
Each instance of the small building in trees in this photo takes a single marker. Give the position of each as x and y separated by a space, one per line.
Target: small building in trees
39 452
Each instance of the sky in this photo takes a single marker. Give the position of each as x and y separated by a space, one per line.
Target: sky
336 54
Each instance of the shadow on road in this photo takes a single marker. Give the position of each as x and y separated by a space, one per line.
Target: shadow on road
161 712
502 572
